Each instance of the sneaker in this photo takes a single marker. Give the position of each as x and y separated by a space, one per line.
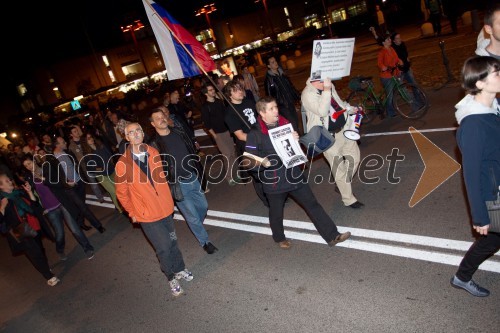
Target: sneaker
340 238
53 281
471 286
184 274
90 254
232 182
175 287
62 257
285 244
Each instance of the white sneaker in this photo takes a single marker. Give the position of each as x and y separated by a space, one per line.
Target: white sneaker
175 287
53 281
185 275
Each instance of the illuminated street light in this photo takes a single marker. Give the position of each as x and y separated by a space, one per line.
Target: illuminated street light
207 10
137 25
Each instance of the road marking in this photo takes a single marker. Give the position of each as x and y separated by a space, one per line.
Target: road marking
252 223
445 129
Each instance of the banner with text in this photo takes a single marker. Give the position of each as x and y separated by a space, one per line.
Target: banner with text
287 148
331 58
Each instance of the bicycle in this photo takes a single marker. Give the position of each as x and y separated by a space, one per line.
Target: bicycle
408 99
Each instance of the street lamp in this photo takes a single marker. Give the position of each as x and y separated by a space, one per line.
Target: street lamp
207 10
137 25
269 21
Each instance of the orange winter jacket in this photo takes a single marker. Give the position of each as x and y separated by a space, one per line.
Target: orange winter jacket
148 199
388 58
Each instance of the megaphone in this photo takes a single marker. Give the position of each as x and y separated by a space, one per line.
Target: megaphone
353 132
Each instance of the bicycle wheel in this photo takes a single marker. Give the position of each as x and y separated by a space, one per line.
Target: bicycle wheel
361 98
410 101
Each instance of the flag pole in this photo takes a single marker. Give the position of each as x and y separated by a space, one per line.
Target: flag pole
202 69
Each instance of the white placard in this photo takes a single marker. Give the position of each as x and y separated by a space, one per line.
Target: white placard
331 58
285 145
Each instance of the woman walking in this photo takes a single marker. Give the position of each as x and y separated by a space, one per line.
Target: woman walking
478 137
15 208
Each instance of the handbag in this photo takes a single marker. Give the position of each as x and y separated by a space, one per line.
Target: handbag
493 207
176 191
317 140
23 229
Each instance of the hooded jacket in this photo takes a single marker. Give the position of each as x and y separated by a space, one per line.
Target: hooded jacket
482 44
478 137
317 105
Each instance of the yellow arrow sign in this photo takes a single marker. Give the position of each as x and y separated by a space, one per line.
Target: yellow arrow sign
439 167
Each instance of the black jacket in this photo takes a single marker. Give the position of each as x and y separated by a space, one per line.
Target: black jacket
276 178
167 159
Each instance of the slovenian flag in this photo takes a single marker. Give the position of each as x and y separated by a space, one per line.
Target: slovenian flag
169 35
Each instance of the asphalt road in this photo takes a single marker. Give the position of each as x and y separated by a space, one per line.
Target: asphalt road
391 276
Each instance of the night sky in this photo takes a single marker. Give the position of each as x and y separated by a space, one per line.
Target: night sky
46 31
38 33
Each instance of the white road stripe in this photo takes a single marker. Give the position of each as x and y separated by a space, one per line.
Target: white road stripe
399 251
445 129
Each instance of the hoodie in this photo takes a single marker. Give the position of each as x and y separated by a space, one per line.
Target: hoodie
478 137
482 44
468 106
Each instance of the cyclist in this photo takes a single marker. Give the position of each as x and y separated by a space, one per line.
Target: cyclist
388 62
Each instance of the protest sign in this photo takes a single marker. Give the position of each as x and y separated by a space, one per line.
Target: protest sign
331 58
285 145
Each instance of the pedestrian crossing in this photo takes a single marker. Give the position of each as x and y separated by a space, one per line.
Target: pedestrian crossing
424 248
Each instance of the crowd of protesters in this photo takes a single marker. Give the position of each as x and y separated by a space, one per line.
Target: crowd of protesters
43 182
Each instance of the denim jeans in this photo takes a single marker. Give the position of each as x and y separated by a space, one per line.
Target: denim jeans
387 83
194 207
75 230
162 236
77 195
408 77
56 220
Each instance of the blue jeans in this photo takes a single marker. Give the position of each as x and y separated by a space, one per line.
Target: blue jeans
162 236
194 207
56 219
408 77
387 83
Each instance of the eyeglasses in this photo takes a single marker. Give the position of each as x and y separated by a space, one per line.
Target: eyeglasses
135 132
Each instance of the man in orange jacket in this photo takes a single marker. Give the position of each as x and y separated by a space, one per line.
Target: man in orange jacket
144 193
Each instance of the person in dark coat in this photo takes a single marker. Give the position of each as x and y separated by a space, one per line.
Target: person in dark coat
278 85
279 182
16 207
478 135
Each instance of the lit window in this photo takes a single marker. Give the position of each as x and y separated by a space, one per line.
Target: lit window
106 61
339 15
112 76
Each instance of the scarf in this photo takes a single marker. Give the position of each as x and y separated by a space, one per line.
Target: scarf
281 121
21 205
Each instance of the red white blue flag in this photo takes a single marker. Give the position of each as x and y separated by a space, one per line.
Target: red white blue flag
169 35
